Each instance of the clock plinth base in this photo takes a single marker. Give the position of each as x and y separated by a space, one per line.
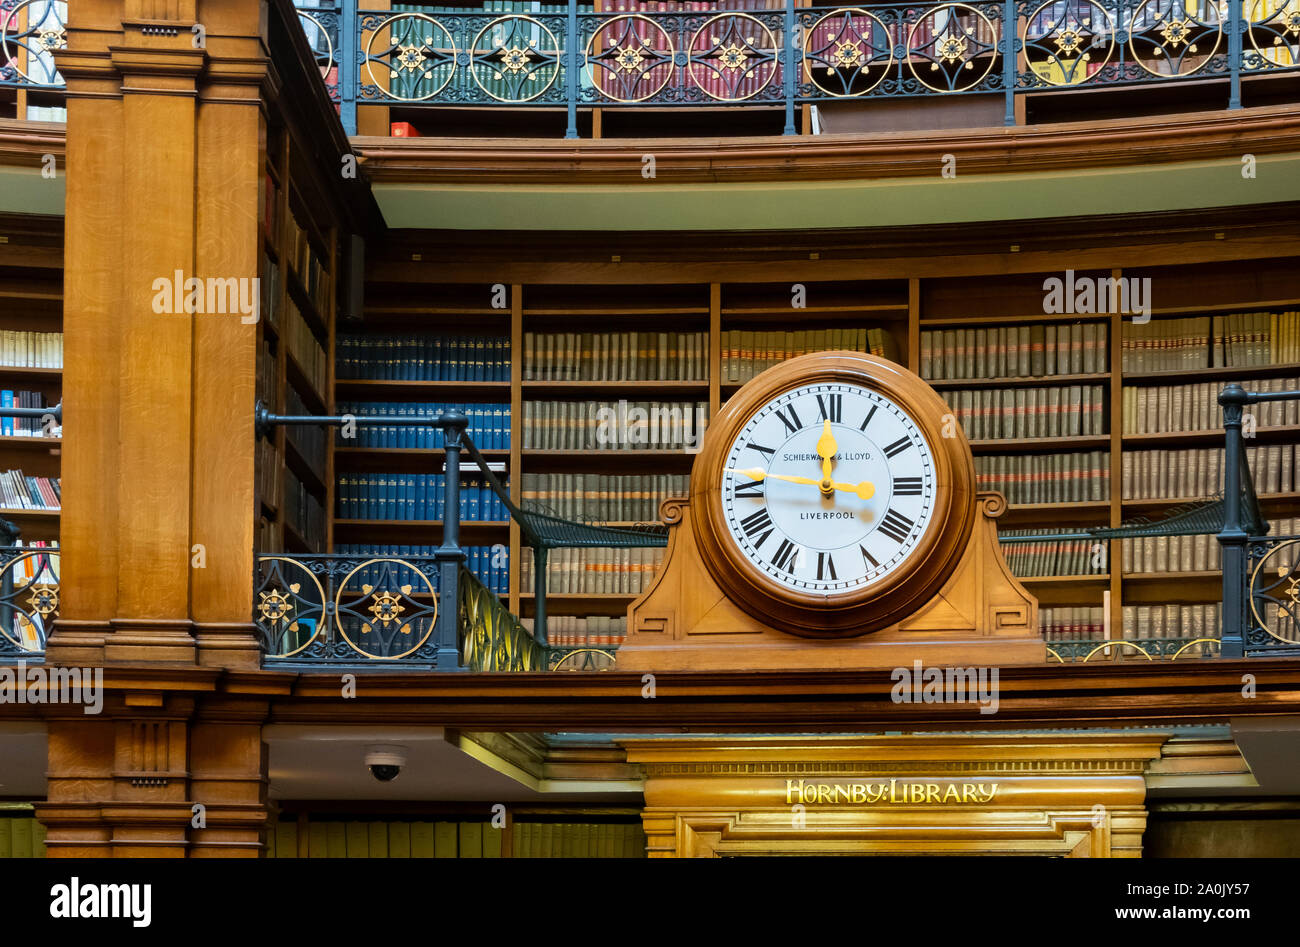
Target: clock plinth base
982 616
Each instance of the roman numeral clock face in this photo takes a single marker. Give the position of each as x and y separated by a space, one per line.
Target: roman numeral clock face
828 488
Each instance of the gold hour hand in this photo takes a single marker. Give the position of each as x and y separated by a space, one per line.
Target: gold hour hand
826 448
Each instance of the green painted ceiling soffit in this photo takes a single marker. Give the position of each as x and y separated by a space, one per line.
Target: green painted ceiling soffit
890 202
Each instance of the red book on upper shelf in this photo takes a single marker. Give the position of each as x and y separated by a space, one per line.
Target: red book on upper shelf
403 130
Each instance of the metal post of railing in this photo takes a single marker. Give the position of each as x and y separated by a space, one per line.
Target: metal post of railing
449 555
791 68
539 594
1233 538
571 78
1010 72
1234 53
349 68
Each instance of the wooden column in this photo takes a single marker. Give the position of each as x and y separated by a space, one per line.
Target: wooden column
164 141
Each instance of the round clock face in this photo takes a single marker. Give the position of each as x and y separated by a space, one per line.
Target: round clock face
828 488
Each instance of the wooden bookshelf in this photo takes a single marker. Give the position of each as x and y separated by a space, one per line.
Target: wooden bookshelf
901 307
31 300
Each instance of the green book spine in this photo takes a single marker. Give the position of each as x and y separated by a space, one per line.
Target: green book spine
546 841
399 840
286 839
444 840
422 840
22 838
38 840
378 840
517 841
492 838
358 839
471 840
336 840
317 840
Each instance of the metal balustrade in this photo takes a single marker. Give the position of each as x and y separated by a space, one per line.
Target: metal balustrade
774 54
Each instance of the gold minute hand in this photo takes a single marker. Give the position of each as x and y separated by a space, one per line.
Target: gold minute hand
865 490
826 448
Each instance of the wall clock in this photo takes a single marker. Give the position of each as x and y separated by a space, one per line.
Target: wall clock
830 502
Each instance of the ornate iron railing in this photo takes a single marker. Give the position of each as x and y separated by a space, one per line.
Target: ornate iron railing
29 599
1273 599
777 54
31 33
491 637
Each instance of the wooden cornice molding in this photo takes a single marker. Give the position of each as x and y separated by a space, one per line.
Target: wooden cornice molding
1017 150
26 144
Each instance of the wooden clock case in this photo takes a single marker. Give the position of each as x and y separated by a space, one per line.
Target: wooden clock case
953 601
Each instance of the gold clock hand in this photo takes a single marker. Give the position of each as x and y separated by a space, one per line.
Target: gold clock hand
865 490
826 448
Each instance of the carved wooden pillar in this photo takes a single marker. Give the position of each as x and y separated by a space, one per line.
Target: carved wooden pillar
156 776
165 136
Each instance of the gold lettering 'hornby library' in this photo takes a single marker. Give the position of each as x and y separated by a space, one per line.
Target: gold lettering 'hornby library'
833 522
892 792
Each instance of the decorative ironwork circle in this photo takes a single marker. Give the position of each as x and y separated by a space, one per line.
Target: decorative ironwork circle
421 61
32 603
1195 641
585 663
1283 593
33 31
275 605
848 55
385 608
1282 23
324 34
735 56
951 46
1068 33
522 60
1119 642
632 53
1180 34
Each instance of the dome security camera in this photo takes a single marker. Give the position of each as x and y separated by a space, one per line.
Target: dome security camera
385 761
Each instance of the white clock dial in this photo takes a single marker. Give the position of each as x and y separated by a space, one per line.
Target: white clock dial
833 535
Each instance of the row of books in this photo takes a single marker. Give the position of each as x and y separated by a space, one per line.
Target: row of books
1045 557
489 425
399 839
1237 340
271 281
1174 554
596 571
1165 409
618 356
1025 351
303 512
21 834
1166 345
489 564
602 498
1288 555
1257 338
26 427
592 631
631 425
1059 411
268 535
29 493
267 466
746 354
1172 621
397 496
1072 622
424 357
1161 474
20 348
310 268
577 840
266 379
1046 478
306 349
311 441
